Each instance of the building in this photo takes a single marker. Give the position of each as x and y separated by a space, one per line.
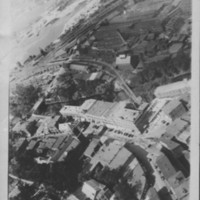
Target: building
48 125
152 194
104 194
174 109
123 60
154 121
117 115
173 89
95 76
134 173
172 146
112 154
94 146
95 190
170 177
179 129
78 67
21 145
175 48
52 148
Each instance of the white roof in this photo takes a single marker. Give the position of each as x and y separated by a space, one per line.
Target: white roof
122 60
173 86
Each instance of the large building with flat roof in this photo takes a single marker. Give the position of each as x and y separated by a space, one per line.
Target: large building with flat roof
114 115
173 89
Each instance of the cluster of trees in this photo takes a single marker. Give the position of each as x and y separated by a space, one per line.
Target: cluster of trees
125 191
72 88
163 72
23 99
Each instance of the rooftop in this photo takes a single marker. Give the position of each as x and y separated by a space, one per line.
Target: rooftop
90 149
99 108
165 166
172 86
94 184
171 105
152 194
179 184
169 143
123 60
112 153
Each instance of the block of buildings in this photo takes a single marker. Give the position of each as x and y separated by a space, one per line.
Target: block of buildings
173 89
174 109
170 177
48 125
52 148
115 115
112 154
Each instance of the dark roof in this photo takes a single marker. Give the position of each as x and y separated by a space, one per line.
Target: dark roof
90 149
32 144
59 141
171 145
69 144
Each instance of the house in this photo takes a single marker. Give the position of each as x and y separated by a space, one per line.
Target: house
174 109
48 125
173 89
95 76
21 144
179 185
91 187
134 173
79 67
152 194
94 145
123 60
104 194
172 146
53 148
177 127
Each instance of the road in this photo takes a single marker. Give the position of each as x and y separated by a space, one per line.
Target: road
141 155
22 180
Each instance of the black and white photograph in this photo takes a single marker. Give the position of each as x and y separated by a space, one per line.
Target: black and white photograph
100 98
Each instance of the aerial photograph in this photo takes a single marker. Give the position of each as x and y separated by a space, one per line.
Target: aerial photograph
99 100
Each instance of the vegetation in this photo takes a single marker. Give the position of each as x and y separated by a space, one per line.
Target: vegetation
159 73
125 192
23 99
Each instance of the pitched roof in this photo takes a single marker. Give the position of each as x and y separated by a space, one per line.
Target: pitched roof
165 166
90 149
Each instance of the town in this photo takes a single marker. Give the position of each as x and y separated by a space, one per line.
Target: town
104 112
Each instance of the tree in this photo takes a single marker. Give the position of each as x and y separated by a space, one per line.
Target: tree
23 99
125 192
